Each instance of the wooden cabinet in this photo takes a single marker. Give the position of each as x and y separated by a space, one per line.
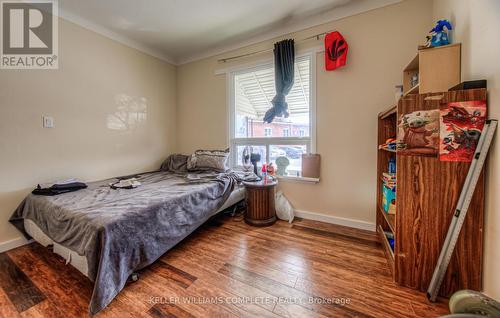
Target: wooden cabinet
437 70
427 192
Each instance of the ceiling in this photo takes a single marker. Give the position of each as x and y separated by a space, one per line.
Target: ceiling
180 31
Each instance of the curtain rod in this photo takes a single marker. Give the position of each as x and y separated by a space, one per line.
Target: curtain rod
224 60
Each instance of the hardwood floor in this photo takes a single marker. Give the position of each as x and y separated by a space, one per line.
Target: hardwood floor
228 269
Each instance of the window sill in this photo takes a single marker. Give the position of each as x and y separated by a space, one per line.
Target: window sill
297 179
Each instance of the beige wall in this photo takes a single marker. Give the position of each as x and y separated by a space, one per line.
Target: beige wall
96 77
476 25
381 43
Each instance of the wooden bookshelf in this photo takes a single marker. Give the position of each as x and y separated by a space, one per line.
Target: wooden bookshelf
387 121
427 189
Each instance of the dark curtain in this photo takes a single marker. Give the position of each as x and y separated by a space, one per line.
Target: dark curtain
284 73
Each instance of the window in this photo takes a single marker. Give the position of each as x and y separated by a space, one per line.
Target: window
251 93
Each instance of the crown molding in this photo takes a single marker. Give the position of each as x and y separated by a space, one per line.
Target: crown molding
106 32
339 13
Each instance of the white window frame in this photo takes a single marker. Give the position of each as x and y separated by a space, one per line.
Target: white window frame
268 132
310 141
287 134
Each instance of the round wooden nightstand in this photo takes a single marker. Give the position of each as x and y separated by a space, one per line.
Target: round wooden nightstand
260 203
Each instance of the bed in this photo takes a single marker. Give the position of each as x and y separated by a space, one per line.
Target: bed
107 234
80 261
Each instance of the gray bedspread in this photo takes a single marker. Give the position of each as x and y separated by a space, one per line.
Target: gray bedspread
121 231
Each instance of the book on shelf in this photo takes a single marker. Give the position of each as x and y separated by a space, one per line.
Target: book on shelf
389 180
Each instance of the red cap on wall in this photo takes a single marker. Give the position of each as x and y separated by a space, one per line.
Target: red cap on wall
335 51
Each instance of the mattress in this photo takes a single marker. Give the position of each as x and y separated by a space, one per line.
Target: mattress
79 261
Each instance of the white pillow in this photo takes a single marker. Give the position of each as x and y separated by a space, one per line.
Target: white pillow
216 160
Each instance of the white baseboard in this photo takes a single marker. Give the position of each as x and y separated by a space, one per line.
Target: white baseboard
336 220
11 244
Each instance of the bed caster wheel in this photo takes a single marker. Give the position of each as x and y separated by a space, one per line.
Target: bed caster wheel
133 278
469 303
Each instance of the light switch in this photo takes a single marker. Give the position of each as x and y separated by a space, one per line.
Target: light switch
48 122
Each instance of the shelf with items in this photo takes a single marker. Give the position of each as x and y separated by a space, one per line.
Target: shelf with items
390 219
411 76
432 70
389 145
386 246
386 223
413 90
388 204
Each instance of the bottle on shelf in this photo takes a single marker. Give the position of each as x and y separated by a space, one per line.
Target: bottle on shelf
264 173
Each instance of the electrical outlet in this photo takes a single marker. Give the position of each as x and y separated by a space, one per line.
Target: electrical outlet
48 122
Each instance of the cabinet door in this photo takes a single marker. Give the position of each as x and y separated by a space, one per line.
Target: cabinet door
427 194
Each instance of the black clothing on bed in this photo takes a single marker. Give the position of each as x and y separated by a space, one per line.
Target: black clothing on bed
59 188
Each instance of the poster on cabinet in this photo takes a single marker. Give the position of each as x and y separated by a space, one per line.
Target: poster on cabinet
461 124
418 133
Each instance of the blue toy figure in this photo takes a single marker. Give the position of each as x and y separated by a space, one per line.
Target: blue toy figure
440 33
